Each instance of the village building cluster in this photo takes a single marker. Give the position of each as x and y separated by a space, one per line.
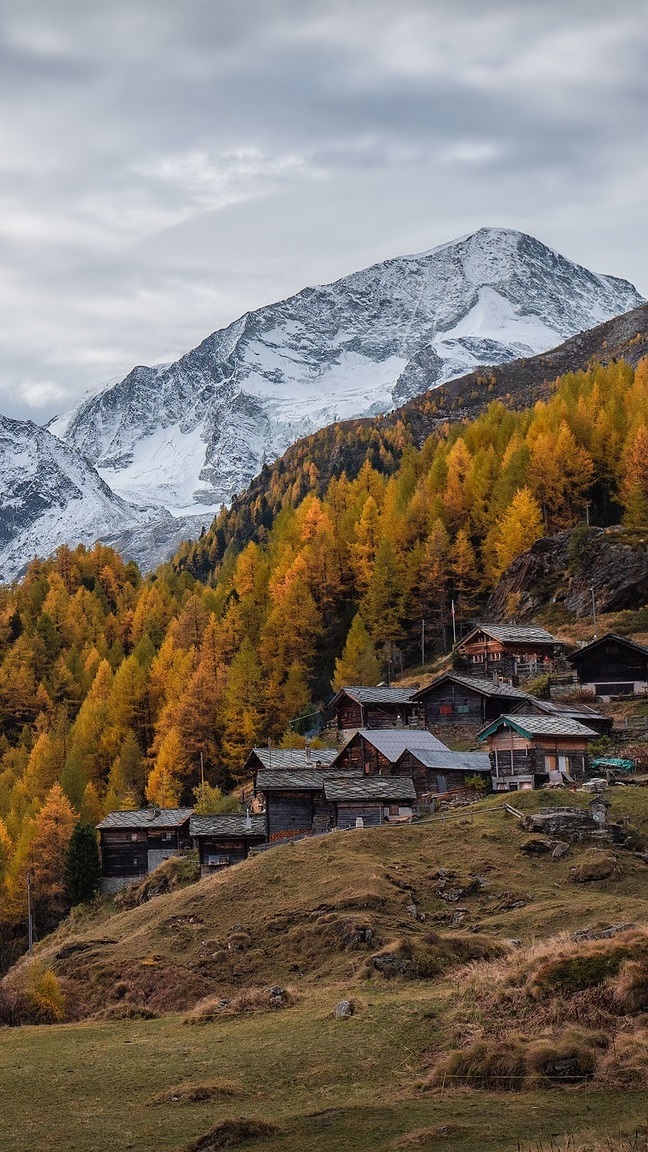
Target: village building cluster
390 761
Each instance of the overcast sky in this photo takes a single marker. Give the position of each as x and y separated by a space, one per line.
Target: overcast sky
166 165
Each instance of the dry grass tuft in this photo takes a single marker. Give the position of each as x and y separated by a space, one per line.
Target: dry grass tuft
423 1137
630 989
198 1093
514 1062
231 1133
249 1000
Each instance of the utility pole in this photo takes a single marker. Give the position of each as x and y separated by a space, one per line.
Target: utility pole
30 924
593 608
422 642
454 624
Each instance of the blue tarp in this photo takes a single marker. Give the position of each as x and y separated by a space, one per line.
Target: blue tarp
614 762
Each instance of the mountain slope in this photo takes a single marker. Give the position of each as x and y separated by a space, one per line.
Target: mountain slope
192 434
346 446
50 495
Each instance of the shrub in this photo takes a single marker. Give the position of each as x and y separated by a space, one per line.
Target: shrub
230 1133
570 974
630 989
250 1000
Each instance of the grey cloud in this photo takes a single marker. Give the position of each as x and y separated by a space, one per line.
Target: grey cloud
164 167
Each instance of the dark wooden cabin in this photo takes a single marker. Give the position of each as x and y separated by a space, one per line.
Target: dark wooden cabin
435 772
374 800
454 698
358 707
225 839
376 753
529 751
294 802
509 651
135 842
612 666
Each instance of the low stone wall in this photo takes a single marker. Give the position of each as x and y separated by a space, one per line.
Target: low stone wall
157 856
112 884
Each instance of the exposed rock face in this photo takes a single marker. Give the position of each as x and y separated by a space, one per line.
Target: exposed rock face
564 569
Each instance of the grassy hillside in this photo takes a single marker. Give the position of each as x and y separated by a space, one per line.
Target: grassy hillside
311 918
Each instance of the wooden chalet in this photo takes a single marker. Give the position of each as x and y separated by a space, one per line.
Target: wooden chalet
225 839
133 843
381 707
529 751
376 753
612 666
374 800
454 698
509 651
435 772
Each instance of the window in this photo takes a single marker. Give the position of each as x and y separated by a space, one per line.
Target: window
134 836
394 810
167 835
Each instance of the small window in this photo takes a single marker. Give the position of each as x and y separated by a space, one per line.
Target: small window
167 835
134 836
393 810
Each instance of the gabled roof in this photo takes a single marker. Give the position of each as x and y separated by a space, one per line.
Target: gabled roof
289 758
370 788
227 824
392 742
513 634
453 761
622 640
147 818
530 726
282 781
479 684
377 695
581 712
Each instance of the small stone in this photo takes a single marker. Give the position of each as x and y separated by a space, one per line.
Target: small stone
344 1009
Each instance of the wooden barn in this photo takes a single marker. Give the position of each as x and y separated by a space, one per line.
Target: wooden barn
436 771
135 842
357 707
529 751
376 753
612 666
454 698
225 839
509 651
374 800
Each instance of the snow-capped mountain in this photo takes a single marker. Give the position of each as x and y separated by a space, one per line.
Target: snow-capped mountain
190 435
50 495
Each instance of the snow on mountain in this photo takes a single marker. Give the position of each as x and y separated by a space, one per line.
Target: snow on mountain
50 495
190 435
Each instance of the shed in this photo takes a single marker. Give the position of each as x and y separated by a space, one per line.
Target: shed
289 759
224 839
375 800
379 707
136 841
612 666
529 751
436 771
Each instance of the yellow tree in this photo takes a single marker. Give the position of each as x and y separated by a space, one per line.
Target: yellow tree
519 527
634 484
41 853
358 663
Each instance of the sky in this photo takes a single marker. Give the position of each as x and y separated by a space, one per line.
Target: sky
166 165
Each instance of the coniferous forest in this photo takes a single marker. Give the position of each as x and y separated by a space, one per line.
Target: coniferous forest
113 686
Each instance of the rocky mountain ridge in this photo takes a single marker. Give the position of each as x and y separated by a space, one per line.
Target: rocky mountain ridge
191 435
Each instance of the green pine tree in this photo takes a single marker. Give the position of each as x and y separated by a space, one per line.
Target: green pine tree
82 871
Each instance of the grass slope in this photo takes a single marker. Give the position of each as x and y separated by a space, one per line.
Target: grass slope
311 916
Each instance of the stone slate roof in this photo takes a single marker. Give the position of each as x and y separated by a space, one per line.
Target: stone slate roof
305 781
227 824
540 726
454 761
478 684
392 742
513 634
370 788
147 818
378 695
289 758
581 712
